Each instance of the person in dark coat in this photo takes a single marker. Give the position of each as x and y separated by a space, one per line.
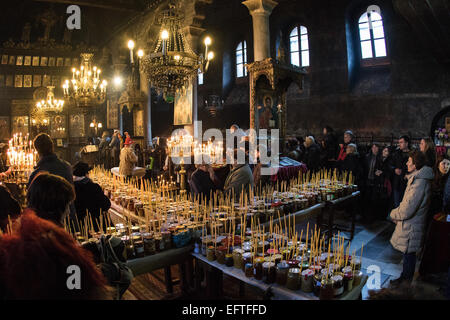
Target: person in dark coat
115 148
399 159
312 154
330 147
203 181
348 138
89 195
352 163
48 160
383 177
429 150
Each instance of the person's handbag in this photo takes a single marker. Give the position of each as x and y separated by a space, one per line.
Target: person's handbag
113 265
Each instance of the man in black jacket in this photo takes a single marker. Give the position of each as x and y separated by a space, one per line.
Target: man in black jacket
89 195
399 160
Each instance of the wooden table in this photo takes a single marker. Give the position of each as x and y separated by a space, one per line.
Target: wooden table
216 270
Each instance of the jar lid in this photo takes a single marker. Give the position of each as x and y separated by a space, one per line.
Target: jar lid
347 269
307 272
294 270
283 265
247 254
267 265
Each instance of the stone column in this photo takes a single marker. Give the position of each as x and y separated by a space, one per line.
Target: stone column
192 37
260 11
146 88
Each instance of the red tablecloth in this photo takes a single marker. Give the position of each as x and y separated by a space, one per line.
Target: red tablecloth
287 173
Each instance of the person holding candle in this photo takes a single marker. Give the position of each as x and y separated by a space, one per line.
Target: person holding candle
410 215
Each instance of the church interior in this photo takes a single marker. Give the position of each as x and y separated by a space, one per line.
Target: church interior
225 149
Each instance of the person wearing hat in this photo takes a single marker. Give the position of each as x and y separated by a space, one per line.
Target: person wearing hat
89 195
128 159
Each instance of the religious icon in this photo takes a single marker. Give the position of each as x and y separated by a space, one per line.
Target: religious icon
46 80
267 114
27 80
5 59
35 61
19 60
37 80
27 61
77 126
60 62
44 61
12 59
20 124
182 112
51 61
67 62
18 81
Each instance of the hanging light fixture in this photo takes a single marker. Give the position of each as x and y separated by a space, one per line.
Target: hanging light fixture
51 104
85 86
172 65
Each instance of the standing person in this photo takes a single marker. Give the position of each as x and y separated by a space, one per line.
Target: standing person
89 195
330 147
410 215
104 149
399 160
115 148
427 147
48 160
121 140
128 160
352 163
348 138
50 196
371 194
383 176
312 154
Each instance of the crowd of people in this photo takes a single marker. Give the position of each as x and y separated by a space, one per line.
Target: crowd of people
408 187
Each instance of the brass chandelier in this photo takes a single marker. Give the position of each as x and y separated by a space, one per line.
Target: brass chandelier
51 104
85 87
173 64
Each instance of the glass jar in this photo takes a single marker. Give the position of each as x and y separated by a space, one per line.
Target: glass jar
149 244
282 271
326 289
258 268
348 281
293 279
229 260
307 280
248 269
338 286
211 253
357 277
269 272
317 284
220 254
247 257
237 258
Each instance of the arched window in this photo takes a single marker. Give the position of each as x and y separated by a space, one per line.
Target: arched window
371 35
299 46
241 59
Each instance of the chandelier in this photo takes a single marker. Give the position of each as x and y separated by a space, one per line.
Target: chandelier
172 65
51 104
85 87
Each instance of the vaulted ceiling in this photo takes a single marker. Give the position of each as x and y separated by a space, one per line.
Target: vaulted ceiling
430 21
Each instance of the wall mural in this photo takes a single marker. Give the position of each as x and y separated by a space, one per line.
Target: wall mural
77 126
